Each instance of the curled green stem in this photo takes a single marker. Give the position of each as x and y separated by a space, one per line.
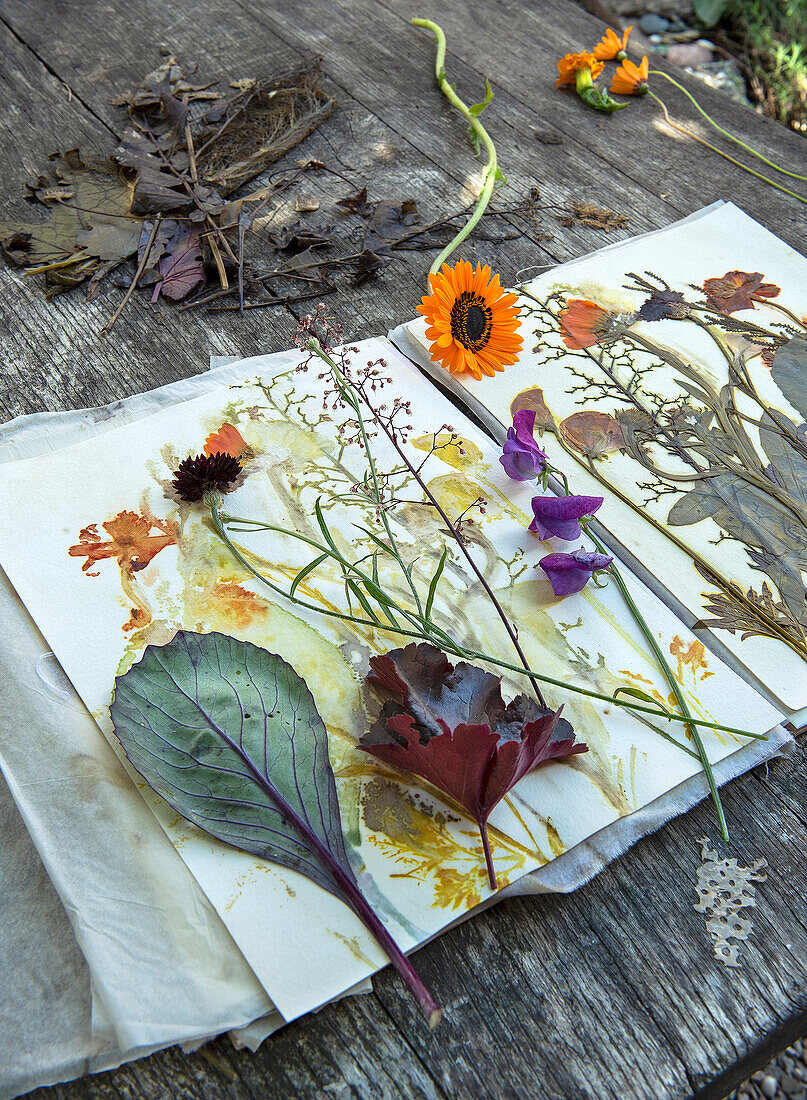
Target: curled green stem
477 127
727 133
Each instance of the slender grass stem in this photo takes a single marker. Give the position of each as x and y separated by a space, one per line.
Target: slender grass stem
726 133
664 667
702 141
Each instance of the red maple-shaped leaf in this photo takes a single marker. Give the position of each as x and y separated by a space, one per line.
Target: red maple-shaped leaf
451 727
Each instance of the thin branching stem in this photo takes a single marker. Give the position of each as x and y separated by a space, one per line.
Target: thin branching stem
432 499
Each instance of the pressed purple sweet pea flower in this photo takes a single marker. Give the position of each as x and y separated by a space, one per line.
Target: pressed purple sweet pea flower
559 517
521 456
569 573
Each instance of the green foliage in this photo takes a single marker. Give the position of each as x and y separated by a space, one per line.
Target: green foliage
710 12
773 34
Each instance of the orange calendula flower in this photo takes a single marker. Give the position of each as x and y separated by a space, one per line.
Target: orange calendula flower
130 542
631 79
611 47
229 441
471 324
582 323
573 63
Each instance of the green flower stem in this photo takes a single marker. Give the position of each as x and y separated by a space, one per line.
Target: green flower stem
671 680
479 130
720 153
350 397
428 631
727 133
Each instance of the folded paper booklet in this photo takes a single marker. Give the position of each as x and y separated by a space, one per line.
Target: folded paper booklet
128 577
669 375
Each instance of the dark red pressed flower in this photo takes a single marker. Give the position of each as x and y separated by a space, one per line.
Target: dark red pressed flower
206 474
663 305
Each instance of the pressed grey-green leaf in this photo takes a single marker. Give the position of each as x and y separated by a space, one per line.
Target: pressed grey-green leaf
229 735
789 372
789 466
693 506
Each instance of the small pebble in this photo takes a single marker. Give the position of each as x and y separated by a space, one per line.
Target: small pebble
653 24
685 54
769 1086
656 39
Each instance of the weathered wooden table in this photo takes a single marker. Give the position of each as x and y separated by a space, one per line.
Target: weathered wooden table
608 993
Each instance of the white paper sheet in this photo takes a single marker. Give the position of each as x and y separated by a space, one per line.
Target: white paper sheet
718 239
254 902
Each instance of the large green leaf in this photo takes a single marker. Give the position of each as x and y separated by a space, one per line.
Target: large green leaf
230 736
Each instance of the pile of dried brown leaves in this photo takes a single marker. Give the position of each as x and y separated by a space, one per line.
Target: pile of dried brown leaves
164 195
163 215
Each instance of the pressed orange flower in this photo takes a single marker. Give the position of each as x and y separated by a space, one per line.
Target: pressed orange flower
228 441
130 542
611 47
738 290
582 323
631 79
574 63
471 324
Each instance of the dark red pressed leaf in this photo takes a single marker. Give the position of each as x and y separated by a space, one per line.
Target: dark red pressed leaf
451 727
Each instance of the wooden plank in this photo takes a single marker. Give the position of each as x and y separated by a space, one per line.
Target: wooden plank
636 142
46 341
400 65
620 157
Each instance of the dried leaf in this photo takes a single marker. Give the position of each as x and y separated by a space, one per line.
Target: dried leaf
389 221
789 371
181 268
298 238
788 466
93 225
597 217
355 204
368 266
159 186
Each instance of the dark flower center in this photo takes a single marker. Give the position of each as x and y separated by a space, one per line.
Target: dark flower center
471 321
215 473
